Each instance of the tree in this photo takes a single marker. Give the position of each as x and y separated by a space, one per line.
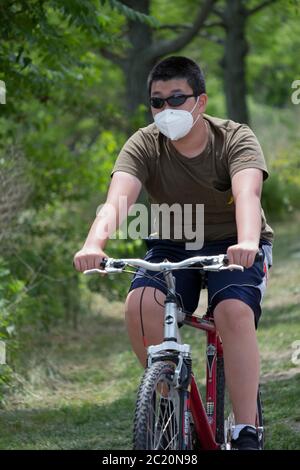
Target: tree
275 39
234 17
144 50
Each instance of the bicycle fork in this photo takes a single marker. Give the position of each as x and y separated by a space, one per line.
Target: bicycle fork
214 351
180 354
171 345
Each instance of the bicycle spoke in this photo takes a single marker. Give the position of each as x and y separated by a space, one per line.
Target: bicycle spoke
158 425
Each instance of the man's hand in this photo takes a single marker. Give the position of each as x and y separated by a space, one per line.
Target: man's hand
242 254
88 258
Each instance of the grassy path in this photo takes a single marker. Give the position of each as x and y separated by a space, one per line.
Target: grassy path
80 387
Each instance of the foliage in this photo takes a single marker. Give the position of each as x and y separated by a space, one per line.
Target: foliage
63 125
281 195
134 15
80 388
62 128
11 292
40 42
272 67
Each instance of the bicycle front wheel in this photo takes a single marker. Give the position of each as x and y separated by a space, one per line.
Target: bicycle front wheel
158 422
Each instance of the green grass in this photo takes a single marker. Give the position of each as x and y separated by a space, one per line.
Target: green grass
77 389
279 328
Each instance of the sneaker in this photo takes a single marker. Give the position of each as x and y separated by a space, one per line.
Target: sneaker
247 440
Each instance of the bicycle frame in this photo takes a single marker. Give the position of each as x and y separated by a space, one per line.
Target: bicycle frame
205 419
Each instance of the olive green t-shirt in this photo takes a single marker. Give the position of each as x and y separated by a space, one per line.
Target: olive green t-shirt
170 177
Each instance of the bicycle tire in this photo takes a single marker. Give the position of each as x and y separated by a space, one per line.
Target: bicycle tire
223 419
155 429
260 419
220 411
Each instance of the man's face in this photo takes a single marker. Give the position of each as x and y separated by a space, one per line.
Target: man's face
178 86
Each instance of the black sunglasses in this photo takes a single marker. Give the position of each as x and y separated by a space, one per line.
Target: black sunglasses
174 100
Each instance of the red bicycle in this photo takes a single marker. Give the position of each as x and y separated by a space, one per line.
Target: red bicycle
170 413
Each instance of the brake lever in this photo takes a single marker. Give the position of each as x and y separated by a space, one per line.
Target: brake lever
94 271
221 267
232 267
108 270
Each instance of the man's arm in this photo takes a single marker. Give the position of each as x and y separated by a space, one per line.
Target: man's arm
108 220
246 190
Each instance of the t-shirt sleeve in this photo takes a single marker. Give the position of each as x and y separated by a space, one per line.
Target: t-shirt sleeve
134 157
244 151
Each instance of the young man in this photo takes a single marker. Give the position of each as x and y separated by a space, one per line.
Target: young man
188 157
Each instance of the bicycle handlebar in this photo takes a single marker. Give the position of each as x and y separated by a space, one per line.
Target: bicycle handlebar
205 263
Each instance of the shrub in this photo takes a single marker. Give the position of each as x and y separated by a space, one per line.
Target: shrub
281 194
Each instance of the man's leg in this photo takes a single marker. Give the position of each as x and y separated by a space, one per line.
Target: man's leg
152 310
235 322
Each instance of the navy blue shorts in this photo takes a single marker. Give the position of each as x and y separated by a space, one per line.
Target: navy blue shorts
248 286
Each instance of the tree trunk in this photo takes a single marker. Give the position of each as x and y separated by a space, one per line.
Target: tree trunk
234 61
137 67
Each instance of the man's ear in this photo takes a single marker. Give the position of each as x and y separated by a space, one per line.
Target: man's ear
203 98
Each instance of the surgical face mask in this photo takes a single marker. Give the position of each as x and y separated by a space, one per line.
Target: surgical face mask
175 123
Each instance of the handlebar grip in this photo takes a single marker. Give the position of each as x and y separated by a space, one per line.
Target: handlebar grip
258 257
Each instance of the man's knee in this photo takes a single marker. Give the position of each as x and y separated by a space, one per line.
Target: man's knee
234 315
143 301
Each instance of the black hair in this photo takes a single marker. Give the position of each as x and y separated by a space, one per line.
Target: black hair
178 67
